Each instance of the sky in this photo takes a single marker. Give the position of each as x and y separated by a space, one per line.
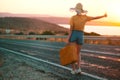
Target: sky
61 8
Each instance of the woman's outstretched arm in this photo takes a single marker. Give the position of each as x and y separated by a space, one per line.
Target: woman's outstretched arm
97 17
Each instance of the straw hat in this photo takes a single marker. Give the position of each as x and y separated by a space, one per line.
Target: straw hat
78 8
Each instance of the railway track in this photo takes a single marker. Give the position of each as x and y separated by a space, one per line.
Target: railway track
47 66
49 52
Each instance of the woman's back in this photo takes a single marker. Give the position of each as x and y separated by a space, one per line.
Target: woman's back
77 22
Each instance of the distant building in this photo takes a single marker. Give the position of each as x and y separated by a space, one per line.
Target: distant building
7 31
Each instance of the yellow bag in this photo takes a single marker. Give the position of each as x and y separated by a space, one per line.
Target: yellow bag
68 54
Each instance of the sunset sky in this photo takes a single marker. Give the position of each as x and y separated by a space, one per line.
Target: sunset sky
61 8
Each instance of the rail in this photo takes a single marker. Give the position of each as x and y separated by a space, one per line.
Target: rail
61 36
107 40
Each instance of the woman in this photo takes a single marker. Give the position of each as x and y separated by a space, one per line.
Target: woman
76 34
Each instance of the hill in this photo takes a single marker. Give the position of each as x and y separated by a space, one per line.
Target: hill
26 25
23 25
57 20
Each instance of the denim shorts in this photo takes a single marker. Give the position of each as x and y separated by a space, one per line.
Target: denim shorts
77 37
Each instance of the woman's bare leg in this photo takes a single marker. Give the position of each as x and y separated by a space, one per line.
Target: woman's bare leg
79 58
74 67
79 55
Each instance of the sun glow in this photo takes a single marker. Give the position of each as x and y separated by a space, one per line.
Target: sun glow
61 7
113 10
